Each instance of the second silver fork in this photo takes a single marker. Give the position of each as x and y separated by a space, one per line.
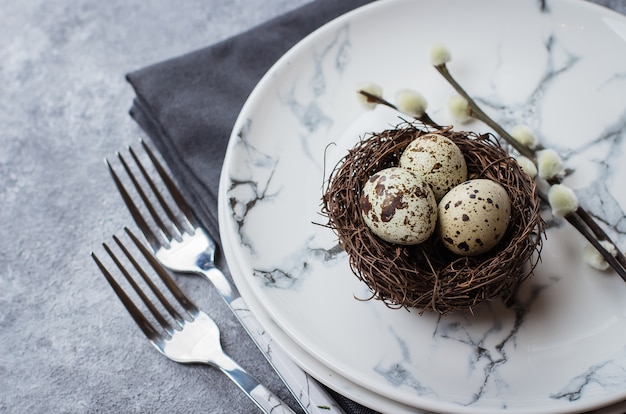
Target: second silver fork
194 337
182 245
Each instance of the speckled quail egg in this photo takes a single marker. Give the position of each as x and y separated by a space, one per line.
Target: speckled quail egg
398 206
474 216
438 160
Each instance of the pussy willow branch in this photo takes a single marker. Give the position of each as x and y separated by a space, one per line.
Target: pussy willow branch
479 114
599 233
580 218
424 119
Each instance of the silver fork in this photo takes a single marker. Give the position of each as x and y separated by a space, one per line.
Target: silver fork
194 338
182 245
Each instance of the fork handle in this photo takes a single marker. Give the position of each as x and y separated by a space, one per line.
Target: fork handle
309 393
265 399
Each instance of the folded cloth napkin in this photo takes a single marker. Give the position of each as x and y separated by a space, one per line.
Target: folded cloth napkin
189 104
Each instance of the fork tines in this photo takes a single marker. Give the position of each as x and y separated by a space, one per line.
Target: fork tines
180 222
171 289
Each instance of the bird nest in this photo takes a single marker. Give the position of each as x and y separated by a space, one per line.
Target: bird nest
427 275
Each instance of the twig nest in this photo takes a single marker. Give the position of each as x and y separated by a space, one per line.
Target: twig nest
428 275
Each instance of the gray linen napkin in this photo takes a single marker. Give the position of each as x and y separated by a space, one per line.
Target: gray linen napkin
189 104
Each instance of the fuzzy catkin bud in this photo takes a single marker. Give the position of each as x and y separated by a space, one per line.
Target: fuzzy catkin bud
371 88
549 164
411 103
523 135
459 109
562 200
593 257
527 166
439 54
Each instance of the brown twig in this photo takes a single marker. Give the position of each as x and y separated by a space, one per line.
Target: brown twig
575 220
424 119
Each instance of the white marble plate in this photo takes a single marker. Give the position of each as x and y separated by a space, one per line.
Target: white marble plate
557 66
